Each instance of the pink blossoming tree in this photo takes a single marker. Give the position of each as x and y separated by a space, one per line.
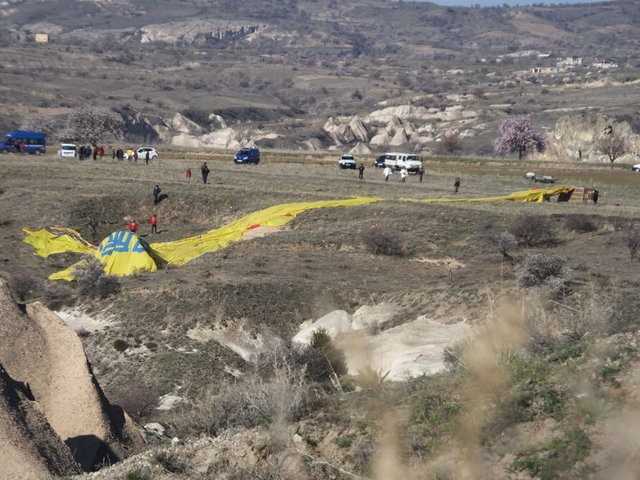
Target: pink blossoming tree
518 135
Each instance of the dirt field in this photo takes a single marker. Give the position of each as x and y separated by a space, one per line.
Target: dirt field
446 268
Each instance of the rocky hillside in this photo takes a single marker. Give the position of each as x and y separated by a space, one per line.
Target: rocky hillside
316 75
53 415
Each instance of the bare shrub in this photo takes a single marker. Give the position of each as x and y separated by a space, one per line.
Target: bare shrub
631 239
533 229
581 223
172 462
321 361
120 345
55 296
592 312
379 240
83 332
24 286
248 402
93 282
506 242
540 267
322 342
90 215
450 144
138 402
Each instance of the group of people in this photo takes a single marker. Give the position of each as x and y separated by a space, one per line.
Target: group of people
404 173
86 151
204 171
153 221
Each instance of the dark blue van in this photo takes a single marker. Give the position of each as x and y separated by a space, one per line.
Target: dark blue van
24 141
247 155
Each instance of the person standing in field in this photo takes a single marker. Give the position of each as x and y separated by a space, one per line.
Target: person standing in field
387 172
146 157
188 175
420 173
403 174
154 223
456 185
156 193
205 172
361 172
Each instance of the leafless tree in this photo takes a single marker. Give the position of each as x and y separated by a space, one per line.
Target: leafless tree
613 146
49 125
450 145
94 125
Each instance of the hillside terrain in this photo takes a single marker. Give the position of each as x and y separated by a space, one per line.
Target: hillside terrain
205 350
416 333
298 75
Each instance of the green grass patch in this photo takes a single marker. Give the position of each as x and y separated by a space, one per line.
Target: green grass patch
555 457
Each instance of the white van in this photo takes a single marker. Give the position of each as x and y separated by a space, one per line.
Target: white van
397 161
67 150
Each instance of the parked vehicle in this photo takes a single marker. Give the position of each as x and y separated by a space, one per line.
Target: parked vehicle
546 179
142 152
379 162
636 167
398 161
247 155
24 141
347 161
67 150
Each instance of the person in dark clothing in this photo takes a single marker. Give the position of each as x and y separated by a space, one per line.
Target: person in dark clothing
95 153
420 173
146 157
205 172
361 172
456 185
156 193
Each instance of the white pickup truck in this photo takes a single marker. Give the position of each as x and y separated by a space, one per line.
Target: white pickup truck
397 161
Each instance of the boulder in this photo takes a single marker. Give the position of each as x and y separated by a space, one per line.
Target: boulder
182 124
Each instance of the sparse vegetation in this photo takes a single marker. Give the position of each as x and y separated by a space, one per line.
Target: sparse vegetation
632 241
94 283
381 241
24 286
532 229
539 268
581 223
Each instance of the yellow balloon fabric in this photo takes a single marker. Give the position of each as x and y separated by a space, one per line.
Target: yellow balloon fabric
124 253
538 195
182 251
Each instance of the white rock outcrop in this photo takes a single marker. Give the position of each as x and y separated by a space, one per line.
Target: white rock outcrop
408 350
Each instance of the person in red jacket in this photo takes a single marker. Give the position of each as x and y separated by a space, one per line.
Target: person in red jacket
154 223
133 226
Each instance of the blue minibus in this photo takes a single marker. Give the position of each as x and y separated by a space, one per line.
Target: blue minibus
24 141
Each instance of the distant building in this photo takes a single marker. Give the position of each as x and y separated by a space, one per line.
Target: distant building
546 70
606 63
41 38
570 62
